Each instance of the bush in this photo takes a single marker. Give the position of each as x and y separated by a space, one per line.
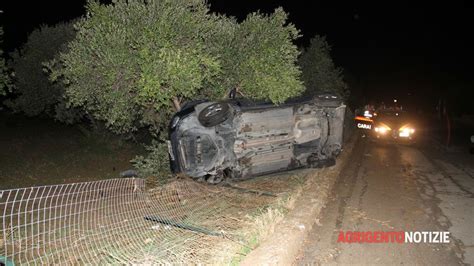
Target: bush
156 164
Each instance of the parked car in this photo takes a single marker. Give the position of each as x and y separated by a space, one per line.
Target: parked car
239 139
394 125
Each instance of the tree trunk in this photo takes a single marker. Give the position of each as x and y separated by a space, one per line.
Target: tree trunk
177 104
237 91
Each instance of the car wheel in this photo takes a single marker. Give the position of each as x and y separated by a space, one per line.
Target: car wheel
214 114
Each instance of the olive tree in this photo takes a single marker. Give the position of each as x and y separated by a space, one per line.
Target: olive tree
133 61
319 73
35 93
258 58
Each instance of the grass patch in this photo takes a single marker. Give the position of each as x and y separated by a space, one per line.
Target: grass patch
41 152
263 220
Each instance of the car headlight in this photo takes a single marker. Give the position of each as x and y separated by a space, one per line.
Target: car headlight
382 129
406 131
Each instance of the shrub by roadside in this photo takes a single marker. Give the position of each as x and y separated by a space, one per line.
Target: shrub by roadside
154 167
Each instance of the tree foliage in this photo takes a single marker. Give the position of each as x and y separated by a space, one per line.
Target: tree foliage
319 73
131 58
4 78
258 57
133 61
36 94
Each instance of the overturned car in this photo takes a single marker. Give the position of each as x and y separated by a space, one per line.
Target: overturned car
238 139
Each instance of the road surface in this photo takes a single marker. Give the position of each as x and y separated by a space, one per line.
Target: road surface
387 187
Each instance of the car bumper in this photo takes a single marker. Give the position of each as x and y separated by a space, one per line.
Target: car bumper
394 136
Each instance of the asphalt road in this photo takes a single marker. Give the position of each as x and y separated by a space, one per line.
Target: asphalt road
389 187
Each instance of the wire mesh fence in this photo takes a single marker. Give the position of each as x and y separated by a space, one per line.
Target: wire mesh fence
110 221
118 221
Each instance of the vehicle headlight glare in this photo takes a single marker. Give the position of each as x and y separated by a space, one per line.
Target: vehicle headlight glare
382 129
406 131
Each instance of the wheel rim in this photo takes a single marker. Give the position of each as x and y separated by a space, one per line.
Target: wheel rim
213 109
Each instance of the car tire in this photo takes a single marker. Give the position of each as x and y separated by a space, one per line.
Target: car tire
214 114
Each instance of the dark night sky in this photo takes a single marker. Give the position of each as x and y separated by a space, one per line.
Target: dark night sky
401 47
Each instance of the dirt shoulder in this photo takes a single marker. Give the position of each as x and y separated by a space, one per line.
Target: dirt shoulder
283 245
